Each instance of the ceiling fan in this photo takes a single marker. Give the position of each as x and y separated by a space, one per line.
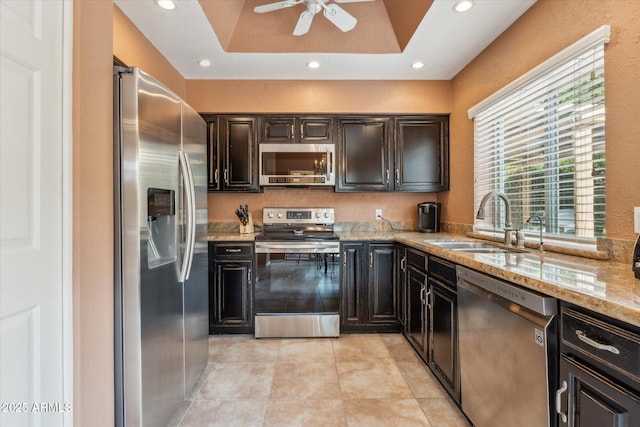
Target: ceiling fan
334 13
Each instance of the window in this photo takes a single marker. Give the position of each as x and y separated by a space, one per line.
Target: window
541 142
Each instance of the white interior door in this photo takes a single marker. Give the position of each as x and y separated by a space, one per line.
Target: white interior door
35 327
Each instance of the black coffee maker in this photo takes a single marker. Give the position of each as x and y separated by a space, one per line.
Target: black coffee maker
636 259
429 217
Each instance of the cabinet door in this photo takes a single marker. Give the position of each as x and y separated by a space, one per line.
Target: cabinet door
421 154
352 278
400 266
232 299
416 310
213 158
278 129
381 292
364 155
240 159
443 337
593 399
317 130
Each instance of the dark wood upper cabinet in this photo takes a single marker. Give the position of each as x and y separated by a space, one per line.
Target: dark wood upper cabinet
297 129
213 156
364 157
413 156
374 153
232 153
421 154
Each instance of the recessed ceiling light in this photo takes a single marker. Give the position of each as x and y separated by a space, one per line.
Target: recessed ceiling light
313 64
463 5
204 63
417 65
166 4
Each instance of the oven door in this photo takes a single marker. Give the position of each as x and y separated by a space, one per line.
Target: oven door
297 289
297 165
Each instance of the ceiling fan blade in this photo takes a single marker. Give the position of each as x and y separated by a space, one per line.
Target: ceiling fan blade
304 23
340 17
276 6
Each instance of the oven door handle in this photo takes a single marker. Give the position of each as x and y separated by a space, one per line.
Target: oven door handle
297 246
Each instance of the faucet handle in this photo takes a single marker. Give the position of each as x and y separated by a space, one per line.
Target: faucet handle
519 239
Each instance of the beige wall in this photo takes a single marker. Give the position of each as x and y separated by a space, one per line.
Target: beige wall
319 96
548 27
92 214
135 50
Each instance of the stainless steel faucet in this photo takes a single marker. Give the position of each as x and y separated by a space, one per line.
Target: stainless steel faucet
540 222
508 229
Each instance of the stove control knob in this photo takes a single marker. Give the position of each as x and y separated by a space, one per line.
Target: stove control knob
326 214
280 215
270 214
318 214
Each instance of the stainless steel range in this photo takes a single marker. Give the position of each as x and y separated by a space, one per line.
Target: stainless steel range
297 291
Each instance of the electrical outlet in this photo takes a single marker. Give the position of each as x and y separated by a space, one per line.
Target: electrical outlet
378 213
636 220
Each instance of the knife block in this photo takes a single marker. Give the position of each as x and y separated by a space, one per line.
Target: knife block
247 229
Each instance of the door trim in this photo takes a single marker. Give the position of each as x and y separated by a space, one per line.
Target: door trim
67 210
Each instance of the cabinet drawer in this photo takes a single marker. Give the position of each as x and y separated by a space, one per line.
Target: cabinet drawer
233 249
417 259
619 348
444 270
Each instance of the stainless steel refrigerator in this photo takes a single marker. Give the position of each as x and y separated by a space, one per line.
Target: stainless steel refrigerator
161 278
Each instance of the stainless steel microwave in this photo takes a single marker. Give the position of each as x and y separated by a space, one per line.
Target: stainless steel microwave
297 164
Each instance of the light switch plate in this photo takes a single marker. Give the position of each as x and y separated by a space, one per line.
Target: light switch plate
636 220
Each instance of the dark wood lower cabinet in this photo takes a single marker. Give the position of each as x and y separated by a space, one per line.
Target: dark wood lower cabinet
368 288
231 288
416 328
443 335
594 400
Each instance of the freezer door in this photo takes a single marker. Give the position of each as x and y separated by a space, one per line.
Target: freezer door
196 286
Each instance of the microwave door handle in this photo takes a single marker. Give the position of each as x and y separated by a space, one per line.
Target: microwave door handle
329 162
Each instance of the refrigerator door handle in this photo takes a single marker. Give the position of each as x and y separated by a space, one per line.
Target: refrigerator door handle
185 170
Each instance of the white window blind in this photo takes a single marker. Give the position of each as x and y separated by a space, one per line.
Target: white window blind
541 142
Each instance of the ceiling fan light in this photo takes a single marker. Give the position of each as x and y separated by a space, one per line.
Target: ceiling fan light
166 4
417 65
204 62
463 5
313 64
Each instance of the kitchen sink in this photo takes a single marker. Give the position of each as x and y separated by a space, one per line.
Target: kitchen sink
461 245
474 247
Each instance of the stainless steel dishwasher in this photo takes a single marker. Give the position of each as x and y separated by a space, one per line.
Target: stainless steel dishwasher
508 348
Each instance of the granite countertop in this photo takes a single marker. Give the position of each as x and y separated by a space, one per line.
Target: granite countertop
602 286
231 237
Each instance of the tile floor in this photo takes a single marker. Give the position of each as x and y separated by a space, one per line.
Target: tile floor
355 380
